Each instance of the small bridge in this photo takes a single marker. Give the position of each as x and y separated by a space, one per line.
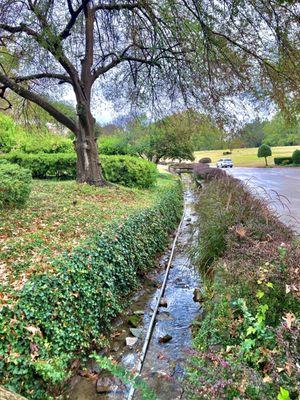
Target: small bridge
181 168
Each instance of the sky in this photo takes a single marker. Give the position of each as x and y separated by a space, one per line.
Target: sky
243 109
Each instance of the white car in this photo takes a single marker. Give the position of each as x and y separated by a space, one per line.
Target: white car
225 163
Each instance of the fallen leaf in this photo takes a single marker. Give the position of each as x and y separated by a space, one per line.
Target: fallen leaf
34 330
267 379
289 319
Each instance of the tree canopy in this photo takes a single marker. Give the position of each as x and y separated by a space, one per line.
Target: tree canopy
201 52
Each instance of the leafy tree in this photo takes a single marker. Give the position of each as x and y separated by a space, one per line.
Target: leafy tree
253 133
235 142
281 132
140 48
206 134
264 151
169 138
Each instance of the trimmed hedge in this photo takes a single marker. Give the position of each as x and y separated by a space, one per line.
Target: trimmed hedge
129 171
45 165
296 157
15 185
283 160
125 170
205 160
60 315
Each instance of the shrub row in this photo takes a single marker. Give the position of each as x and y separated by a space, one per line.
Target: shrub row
129 171
283 160
46 143
45 165
246 344
125 170
295 159
60 315
15 184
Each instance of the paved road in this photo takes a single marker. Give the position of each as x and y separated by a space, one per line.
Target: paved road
283 182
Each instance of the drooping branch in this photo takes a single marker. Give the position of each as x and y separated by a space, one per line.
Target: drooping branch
118 58
47 75
102 70
39 100
22 28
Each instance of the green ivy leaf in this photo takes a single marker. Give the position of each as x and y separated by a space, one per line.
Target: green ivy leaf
283 394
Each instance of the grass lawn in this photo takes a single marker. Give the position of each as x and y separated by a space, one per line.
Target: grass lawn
247 157
58 216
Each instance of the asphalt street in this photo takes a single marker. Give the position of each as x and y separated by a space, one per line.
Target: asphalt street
280 186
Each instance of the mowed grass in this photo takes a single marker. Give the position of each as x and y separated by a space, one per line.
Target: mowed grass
247 157
58 217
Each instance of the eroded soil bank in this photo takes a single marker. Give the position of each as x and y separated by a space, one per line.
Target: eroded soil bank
172 335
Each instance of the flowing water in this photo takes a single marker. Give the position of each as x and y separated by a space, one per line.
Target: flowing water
163 366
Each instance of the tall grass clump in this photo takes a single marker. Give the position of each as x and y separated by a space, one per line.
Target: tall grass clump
225 202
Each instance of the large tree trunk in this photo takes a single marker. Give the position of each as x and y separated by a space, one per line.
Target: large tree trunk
88 167
7 395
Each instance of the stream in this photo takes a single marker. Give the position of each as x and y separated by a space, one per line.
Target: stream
172 334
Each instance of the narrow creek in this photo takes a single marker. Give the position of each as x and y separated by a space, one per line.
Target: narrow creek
172 334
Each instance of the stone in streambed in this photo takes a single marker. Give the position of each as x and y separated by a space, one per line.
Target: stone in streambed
198 296
105 385
165 339
134 320
131 341
139 312
116 347
163 302
136 332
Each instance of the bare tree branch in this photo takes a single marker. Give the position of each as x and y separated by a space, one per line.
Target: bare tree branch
74 15
46 75
39 100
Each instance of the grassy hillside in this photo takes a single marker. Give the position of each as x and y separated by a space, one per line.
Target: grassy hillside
247 157
30 237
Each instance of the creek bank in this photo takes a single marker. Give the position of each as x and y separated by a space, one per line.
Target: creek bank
164 364
246 344
63 312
